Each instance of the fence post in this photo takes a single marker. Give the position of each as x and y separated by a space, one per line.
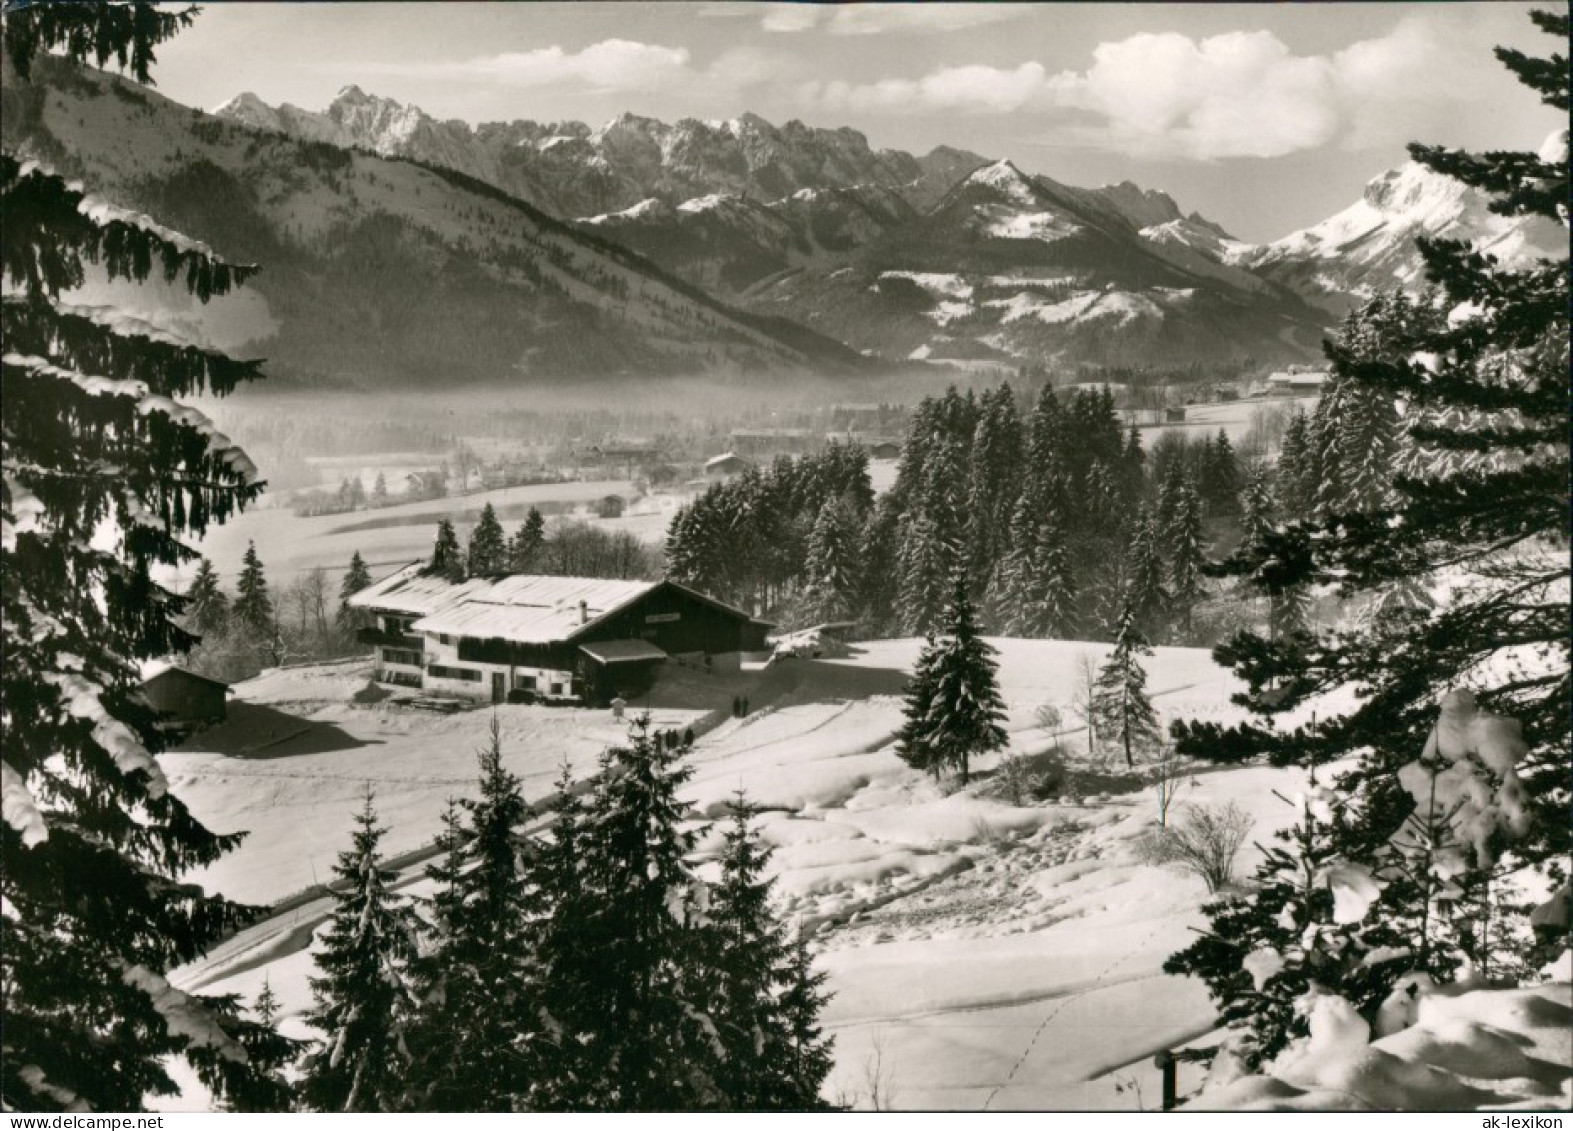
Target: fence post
1167 1063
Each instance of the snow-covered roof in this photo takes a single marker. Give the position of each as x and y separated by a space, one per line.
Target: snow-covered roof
154 669
1305 379
724 457
523 608
622 651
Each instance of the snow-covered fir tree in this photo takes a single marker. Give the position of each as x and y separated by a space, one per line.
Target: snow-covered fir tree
1186 551
103 474
994 483
1257 509
1122 712
361 1002
525 547
1297 925
447 559
253 607
830 570
207 606
1147 591
356 578
635 1029
768 1062
476 1032
953 708
488 551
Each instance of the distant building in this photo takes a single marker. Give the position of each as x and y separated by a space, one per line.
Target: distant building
718 469
564 639
1297 383
185 699
773 441
1174 415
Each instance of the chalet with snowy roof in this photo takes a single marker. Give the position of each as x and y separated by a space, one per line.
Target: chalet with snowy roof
1296 382
560 639
727 465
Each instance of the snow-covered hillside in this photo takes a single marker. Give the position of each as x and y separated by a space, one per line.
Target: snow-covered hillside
981 954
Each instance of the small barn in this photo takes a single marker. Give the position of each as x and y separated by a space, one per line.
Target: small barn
184 698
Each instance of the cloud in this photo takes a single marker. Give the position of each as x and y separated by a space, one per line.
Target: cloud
1238 94
878 19
611 65
1241 94
974 89
790 18
881 19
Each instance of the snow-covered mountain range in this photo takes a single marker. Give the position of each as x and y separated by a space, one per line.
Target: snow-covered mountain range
572 169
381 271
816 225
399 245
1369 246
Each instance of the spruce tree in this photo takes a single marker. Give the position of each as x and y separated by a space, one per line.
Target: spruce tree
557 873
1120 705
360 997
808 1057
529 540
953 707
1220 481
1148 592
207 606
1265 948
260 1085
447 560
253 606
356 578
104 474
760 1025
1488 378
476 1024
1256 505
488 553
638 1039
379 491
830 581
1186 552
995 477
1296 475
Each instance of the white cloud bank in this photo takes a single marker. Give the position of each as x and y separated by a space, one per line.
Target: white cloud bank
611 65
1239 94
883 19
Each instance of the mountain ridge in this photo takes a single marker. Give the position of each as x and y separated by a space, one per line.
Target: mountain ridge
390 272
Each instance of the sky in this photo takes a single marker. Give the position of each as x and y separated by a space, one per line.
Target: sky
1263 117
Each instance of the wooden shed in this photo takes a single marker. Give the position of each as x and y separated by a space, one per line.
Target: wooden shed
186 699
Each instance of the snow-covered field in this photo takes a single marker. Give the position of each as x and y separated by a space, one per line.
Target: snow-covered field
981 955
290 544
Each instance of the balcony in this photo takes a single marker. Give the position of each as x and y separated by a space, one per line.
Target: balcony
383 639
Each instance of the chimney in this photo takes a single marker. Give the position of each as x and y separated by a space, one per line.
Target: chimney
584 613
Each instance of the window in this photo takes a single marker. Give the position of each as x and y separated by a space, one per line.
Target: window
524 682
437 671
401 656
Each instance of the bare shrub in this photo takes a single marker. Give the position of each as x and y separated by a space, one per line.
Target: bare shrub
1205 841
1168 774
1025 778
